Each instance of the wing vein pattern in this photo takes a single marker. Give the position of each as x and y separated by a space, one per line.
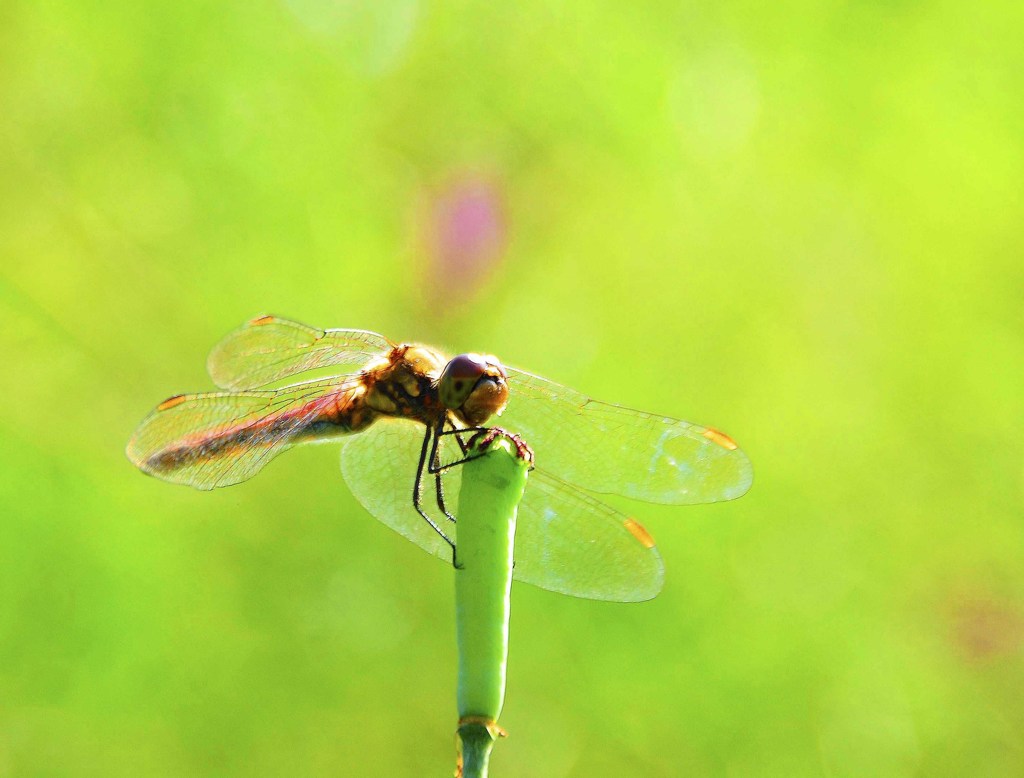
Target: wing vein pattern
609 449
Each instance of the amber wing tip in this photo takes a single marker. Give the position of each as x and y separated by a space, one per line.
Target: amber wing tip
637 530
261 320
723 440
170 402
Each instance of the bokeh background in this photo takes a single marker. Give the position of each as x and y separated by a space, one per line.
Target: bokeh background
798 222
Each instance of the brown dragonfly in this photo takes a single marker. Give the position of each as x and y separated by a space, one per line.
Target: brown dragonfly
405 414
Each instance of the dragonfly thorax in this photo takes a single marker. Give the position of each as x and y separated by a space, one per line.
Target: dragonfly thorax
415 382
403 384
474 387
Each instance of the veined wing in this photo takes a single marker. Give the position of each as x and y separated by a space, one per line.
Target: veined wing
614 450
569 542
566 541
222 438
379 466
268 349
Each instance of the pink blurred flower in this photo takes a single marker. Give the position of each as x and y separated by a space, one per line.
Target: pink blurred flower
465 235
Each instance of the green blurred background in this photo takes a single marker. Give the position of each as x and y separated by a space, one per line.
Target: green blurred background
798 222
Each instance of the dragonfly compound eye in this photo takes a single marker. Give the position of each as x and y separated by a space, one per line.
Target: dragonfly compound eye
475 387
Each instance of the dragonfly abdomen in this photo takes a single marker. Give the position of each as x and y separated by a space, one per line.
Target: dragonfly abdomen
242 448
238 441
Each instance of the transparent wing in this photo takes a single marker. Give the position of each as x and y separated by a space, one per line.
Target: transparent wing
222 438
268 349
566 541
379 466
614 450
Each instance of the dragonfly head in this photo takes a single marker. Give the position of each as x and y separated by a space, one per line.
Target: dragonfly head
474 387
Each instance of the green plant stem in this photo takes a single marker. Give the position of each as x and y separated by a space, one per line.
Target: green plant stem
492 486
475 743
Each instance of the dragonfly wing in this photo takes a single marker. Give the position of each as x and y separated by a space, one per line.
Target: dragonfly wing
269 349
222 438
379 466
568 542
614 450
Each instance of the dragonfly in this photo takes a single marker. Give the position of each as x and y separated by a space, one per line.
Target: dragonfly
405 413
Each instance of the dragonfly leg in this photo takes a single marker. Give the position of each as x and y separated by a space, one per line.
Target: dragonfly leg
483 437
454 432
417 492
439 486
457 433
436 467
440 499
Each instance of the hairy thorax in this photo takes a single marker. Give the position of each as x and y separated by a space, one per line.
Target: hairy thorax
404 384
